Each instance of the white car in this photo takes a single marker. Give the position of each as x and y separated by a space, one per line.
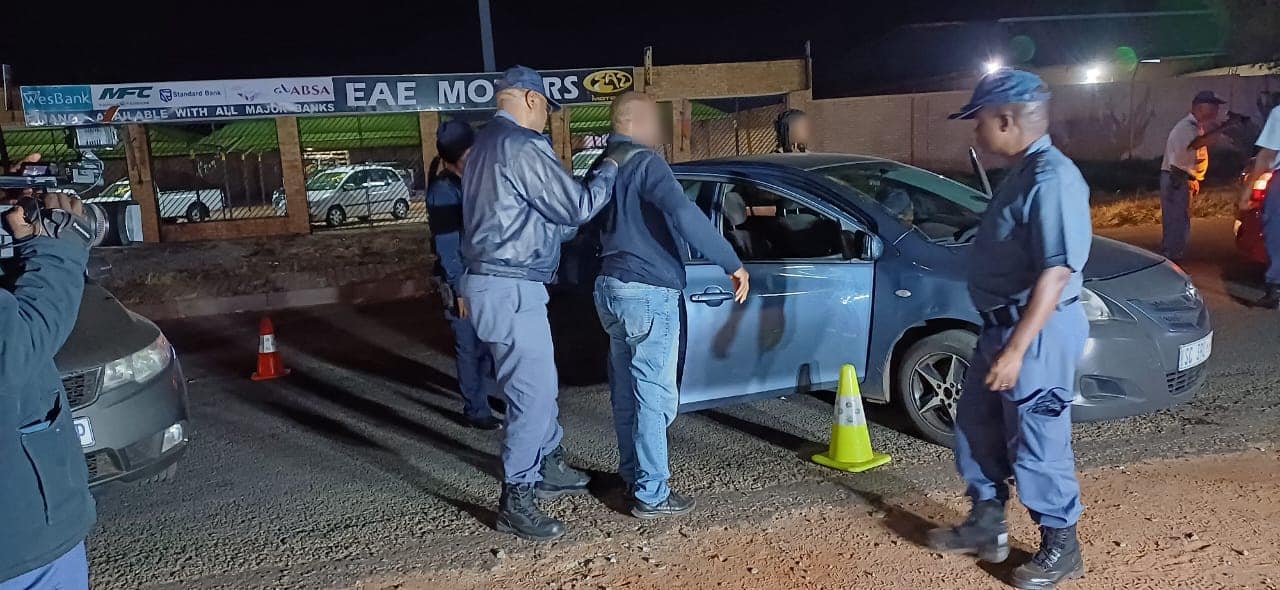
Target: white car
192 205
336 195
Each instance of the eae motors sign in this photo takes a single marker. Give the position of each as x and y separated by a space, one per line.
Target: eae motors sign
446 92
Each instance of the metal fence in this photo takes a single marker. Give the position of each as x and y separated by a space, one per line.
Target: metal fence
216 172
734 126
363 170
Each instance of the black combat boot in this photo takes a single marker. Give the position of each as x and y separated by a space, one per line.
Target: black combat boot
559 479
1270 300
985 534
1058 559
520 516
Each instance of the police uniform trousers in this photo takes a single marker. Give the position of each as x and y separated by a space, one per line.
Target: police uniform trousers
475 368
1175 213
1271 232
510 317
1025 432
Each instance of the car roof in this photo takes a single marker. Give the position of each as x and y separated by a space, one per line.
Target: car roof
805 161
357 167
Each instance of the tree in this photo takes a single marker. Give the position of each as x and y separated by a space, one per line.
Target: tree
1251 29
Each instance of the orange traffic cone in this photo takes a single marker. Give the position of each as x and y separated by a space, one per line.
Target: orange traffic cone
269 364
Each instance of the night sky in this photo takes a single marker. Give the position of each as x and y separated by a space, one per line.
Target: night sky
179 40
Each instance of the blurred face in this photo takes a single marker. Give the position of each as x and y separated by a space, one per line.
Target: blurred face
1205 112
646 127
802 130
539 110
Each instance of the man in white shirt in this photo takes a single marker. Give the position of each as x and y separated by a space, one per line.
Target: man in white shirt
1186 159
1268 159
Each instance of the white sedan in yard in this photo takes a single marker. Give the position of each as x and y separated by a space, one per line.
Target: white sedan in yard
335 195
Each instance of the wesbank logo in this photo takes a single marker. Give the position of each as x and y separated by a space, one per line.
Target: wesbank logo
57 98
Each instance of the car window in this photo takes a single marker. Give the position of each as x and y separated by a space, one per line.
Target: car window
325 181
942 209
703 194
358 178
764 225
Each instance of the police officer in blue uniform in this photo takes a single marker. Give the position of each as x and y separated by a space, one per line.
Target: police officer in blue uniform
444 216
1268 160
1014 417
518 205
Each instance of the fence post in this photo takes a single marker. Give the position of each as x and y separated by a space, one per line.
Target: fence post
142 186
681 129
298 218
561 139
428 126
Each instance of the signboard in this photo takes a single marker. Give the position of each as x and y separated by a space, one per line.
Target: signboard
233 99
445 92
175 101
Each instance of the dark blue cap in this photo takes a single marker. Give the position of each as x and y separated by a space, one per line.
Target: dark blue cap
1005 86
452 140
1207 97
526 78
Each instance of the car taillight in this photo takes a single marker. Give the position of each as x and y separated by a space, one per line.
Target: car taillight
1260 187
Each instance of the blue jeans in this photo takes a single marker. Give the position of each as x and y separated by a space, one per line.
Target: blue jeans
510 317
1175 213
475 369
1271 232
69 572
643 323
1025 432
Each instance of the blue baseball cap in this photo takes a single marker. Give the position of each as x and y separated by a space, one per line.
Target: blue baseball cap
526 78
453 138
1005 86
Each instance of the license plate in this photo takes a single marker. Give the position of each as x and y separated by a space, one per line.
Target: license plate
1195 353
84 431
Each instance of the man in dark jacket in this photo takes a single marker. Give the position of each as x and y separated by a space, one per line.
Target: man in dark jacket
45 507
518 205
645 235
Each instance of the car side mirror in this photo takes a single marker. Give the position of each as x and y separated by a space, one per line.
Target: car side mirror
861 245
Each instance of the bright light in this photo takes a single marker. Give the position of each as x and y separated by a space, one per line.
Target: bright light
1154 60
1093 74
992 66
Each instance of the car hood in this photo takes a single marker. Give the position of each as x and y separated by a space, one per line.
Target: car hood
105 331
1109 259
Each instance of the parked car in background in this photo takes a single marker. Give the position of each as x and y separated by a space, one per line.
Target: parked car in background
361 191
127 392
191 205
1248 226
860 260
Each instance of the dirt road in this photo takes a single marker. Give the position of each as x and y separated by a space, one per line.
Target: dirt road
1202 523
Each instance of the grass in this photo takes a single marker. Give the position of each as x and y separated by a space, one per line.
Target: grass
1142 208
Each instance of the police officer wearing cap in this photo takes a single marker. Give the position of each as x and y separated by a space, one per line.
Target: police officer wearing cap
444 216
1268 160
518 205
1186 159
1014 417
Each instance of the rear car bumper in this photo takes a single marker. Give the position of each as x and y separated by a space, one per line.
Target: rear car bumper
128 426
1131 362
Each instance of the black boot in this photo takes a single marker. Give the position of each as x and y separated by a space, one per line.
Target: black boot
1058 559
1270 300
520 516
559 479
984 534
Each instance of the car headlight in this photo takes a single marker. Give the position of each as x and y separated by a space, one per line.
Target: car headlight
1095 308
140 366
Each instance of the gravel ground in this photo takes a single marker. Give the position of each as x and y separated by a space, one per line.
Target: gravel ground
355 467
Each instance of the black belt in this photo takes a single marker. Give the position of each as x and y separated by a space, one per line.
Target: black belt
1010 314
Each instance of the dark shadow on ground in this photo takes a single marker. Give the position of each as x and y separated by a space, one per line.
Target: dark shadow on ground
787 441
582 348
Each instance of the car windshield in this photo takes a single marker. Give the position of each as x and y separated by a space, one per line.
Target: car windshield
325 181
942 209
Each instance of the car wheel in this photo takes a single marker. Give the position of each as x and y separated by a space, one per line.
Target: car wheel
169 474
197 212
336 216
400 209
929 381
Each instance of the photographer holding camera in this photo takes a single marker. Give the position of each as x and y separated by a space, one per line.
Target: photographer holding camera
44 494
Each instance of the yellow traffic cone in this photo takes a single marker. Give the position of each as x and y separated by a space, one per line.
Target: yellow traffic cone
850 440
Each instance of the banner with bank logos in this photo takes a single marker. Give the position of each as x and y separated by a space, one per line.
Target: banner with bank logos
90 104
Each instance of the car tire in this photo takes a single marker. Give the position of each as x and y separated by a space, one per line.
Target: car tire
336 216
197 212
941 359
170 473
400 209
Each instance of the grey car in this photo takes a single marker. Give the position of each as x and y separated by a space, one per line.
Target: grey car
127 392
862 260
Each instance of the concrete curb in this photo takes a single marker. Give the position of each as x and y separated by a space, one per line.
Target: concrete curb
372 292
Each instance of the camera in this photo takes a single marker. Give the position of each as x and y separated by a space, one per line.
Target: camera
26 191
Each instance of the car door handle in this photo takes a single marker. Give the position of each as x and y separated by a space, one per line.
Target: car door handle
712 298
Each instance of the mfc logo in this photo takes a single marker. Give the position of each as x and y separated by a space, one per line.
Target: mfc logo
124 92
